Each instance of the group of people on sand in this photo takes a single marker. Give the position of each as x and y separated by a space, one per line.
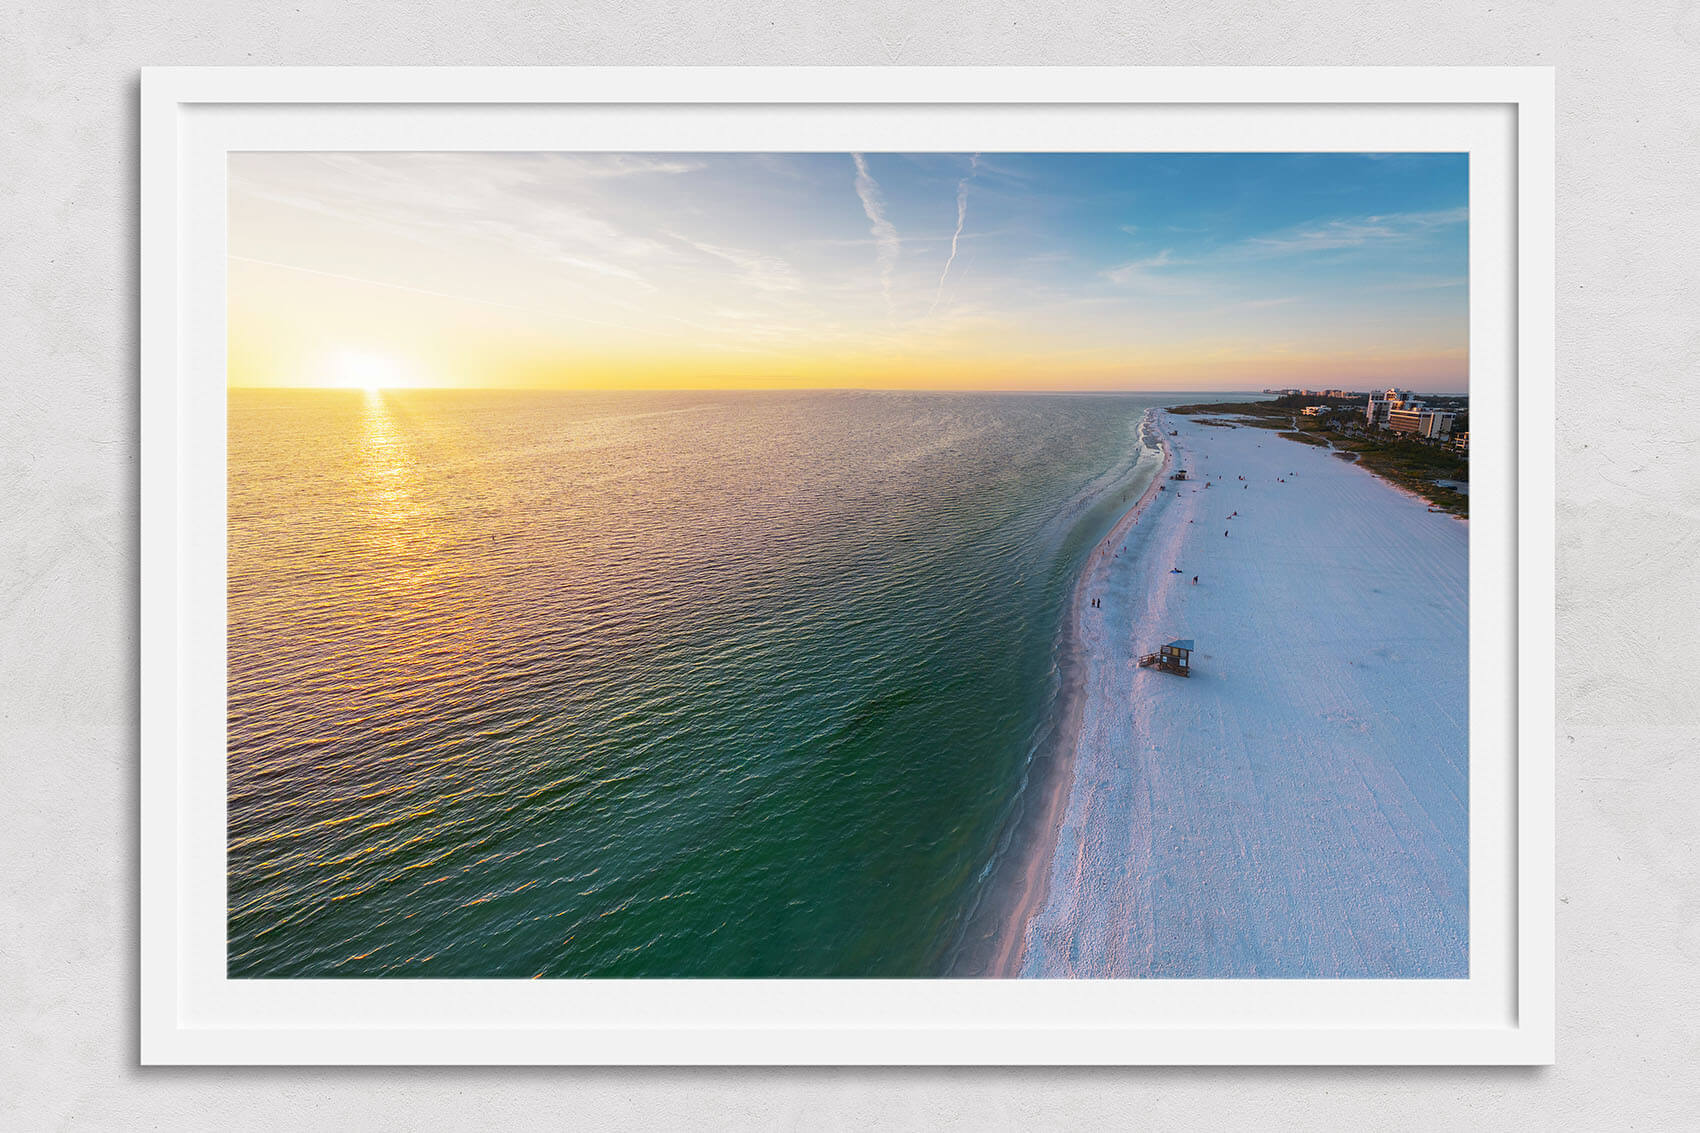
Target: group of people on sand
1225 534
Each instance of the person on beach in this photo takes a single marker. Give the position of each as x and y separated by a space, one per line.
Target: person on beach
1195 580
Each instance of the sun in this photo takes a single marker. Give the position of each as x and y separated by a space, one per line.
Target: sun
359 369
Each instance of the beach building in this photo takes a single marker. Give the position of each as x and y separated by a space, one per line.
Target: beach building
1312 411
1400 411
1401 419
1383 402
1175 657
1435 424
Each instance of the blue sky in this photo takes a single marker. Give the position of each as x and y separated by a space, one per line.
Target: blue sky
1209 271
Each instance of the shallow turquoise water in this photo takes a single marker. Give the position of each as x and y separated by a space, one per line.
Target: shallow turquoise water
643 685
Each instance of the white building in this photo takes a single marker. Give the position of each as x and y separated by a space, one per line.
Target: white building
1416 420
1384 402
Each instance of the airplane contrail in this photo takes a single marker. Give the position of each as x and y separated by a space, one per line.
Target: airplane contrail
884 232
961 217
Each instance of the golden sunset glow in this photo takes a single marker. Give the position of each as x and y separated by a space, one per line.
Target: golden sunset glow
764 566
611 271
356 369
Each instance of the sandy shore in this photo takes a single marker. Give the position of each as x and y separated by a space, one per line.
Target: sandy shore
1298 807
1027 891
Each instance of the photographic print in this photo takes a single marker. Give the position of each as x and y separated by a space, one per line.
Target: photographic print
848 565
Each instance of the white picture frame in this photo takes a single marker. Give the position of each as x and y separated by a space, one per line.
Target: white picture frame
192 1014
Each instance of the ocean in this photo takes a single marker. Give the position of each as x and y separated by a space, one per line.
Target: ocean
676 684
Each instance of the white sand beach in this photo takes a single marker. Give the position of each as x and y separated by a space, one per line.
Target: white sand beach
1298 806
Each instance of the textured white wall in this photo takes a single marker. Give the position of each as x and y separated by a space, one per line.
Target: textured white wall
1629 356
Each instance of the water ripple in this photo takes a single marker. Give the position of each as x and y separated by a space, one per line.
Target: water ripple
640 685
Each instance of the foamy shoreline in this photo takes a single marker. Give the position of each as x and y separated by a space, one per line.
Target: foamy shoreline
1033 889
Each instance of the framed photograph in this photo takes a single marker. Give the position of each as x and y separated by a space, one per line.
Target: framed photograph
847 566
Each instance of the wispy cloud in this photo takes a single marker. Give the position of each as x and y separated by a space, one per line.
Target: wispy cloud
1009 173
1138 270
436 199
961 218
621 164
1425 284
763 272
884 232
474 299
1356 232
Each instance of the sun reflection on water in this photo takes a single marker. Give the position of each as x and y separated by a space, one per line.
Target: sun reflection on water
395 505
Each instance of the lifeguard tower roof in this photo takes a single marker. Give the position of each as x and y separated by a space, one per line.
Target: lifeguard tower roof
1183 643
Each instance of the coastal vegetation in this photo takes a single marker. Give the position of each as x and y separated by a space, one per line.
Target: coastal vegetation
1413 464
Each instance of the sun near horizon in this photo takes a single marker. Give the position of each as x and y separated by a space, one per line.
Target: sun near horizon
1049 272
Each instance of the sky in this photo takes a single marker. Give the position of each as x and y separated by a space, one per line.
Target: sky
873 270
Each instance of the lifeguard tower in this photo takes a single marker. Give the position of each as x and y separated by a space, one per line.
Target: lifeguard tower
1175 657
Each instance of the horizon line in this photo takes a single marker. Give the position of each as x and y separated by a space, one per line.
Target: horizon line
774 389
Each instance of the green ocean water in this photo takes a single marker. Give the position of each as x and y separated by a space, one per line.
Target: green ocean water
643 685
